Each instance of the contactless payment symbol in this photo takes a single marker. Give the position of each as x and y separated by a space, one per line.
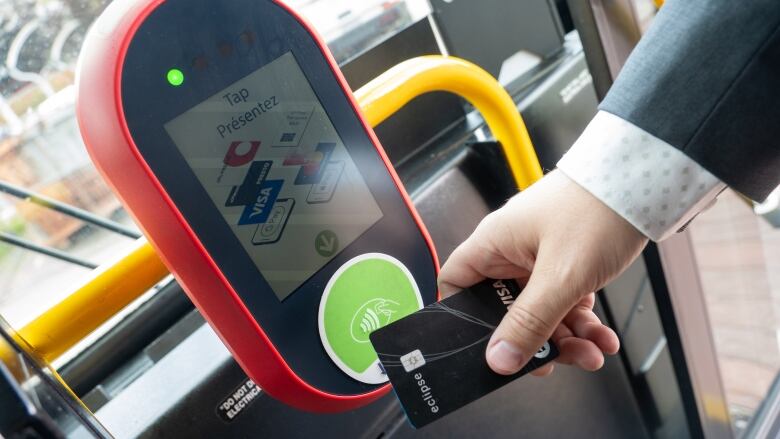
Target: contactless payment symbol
371 316
367 293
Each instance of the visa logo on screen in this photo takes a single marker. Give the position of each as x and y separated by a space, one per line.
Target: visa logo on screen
259 209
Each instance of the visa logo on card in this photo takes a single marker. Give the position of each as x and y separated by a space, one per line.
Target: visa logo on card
258 211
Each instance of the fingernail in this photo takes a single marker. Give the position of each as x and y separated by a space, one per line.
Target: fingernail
505 357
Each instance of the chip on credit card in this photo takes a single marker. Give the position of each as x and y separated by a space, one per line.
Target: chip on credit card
435 358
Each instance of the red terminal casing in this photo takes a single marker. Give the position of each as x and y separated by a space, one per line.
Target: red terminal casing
106 134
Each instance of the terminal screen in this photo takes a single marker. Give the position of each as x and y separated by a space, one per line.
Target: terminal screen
274 166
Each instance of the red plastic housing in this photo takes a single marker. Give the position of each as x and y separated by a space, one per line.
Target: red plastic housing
105 132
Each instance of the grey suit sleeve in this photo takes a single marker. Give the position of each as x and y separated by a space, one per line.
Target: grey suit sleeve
706 80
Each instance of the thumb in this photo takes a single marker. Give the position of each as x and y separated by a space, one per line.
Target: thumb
530 321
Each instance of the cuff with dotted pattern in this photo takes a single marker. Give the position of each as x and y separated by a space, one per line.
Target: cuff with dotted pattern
653 185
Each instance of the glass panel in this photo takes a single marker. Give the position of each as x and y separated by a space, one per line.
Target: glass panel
738 257
41 150
352 26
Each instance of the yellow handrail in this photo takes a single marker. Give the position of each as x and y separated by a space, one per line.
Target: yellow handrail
116 284
112 287
393 89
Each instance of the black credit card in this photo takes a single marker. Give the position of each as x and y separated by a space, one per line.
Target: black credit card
435 358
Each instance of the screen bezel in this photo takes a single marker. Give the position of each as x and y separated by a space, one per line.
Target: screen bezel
149 102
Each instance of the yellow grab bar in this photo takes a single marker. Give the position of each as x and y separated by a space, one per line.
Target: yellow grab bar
393 89
114 285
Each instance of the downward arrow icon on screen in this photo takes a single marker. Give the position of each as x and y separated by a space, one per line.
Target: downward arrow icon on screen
326 243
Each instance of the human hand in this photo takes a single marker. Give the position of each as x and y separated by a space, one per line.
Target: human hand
566 244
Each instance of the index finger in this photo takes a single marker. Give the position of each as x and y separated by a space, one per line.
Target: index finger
460 270
471 263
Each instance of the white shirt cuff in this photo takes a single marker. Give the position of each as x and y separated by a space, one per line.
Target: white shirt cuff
650 183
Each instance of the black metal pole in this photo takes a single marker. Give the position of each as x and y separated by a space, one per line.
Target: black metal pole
52 252
127 339
67 209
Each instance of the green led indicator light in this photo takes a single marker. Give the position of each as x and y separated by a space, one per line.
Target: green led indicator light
175 77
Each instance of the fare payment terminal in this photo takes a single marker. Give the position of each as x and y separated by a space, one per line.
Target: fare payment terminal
228 131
